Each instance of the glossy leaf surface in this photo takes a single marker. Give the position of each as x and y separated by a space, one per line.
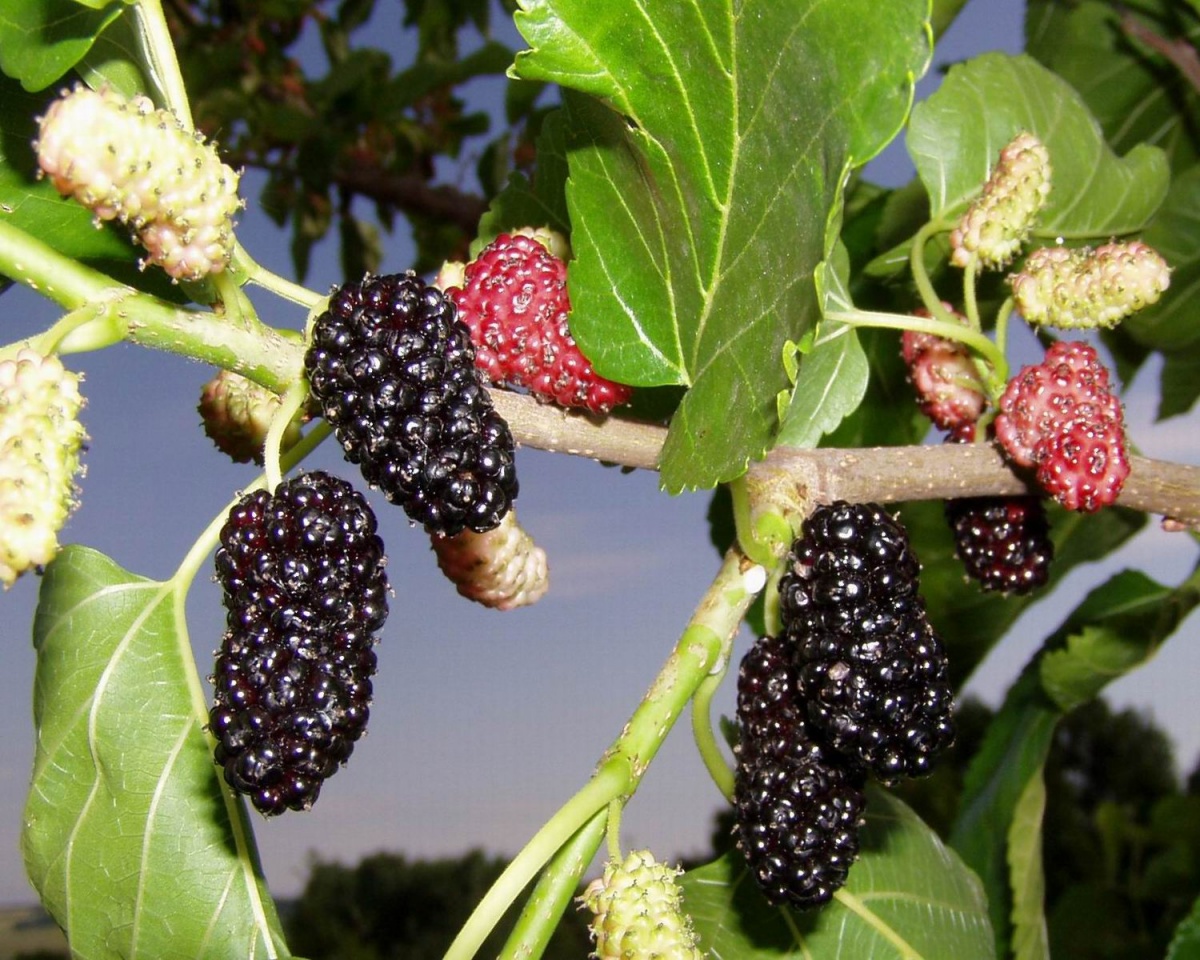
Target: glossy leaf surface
704 180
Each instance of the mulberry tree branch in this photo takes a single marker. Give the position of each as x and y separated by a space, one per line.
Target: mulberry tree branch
884 474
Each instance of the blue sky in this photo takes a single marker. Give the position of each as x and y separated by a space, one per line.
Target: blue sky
483 723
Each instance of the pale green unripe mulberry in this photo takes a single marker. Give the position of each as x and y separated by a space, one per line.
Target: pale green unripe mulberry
638 912
126 160
1077 288
237 413
998 222
501 568
40 441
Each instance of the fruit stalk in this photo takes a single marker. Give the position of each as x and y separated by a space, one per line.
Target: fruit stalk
694 657
554 892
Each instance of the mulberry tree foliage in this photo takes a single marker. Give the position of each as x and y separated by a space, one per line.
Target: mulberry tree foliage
690 181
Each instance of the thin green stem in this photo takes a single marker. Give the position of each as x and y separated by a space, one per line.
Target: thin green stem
257 274
695 655
292 401
554 892
916 263
158 50
970 299
949 329
999 373
90 327
702 727
609 782
763 533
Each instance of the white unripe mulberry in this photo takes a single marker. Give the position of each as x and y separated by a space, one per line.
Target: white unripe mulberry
998 221
127 161
40 441
1081 288
637 909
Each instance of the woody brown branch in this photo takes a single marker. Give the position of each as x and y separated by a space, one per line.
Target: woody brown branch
881 474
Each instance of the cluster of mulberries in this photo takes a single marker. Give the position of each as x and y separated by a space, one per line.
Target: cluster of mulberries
855 684
513 297
128 161
1079 288
40 442
1061 418
798 804
393 370
637 911
302 570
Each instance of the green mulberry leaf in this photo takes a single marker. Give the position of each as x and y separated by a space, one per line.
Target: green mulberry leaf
1118 626
40 40
705 181
130 839
1135 99
907 896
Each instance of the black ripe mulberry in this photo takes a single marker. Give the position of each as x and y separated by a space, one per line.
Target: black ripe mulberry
393 369
798 805
305 589
870 669
1003 542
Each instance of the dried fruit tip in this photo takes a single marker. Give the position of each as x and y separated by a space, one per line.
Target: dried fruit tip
502 568
237 413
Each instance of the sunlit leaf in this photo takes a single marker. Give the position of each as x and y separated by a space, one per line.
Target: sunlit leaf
1186 943
956 136
703 188
908 896
130 839
540 203
40 40
1122 628
114 60
831 380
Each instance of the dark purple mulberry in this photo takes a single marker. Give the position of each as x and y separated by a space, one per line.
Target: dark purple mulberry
870 670
1003 542
798 806
305 591
393 369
